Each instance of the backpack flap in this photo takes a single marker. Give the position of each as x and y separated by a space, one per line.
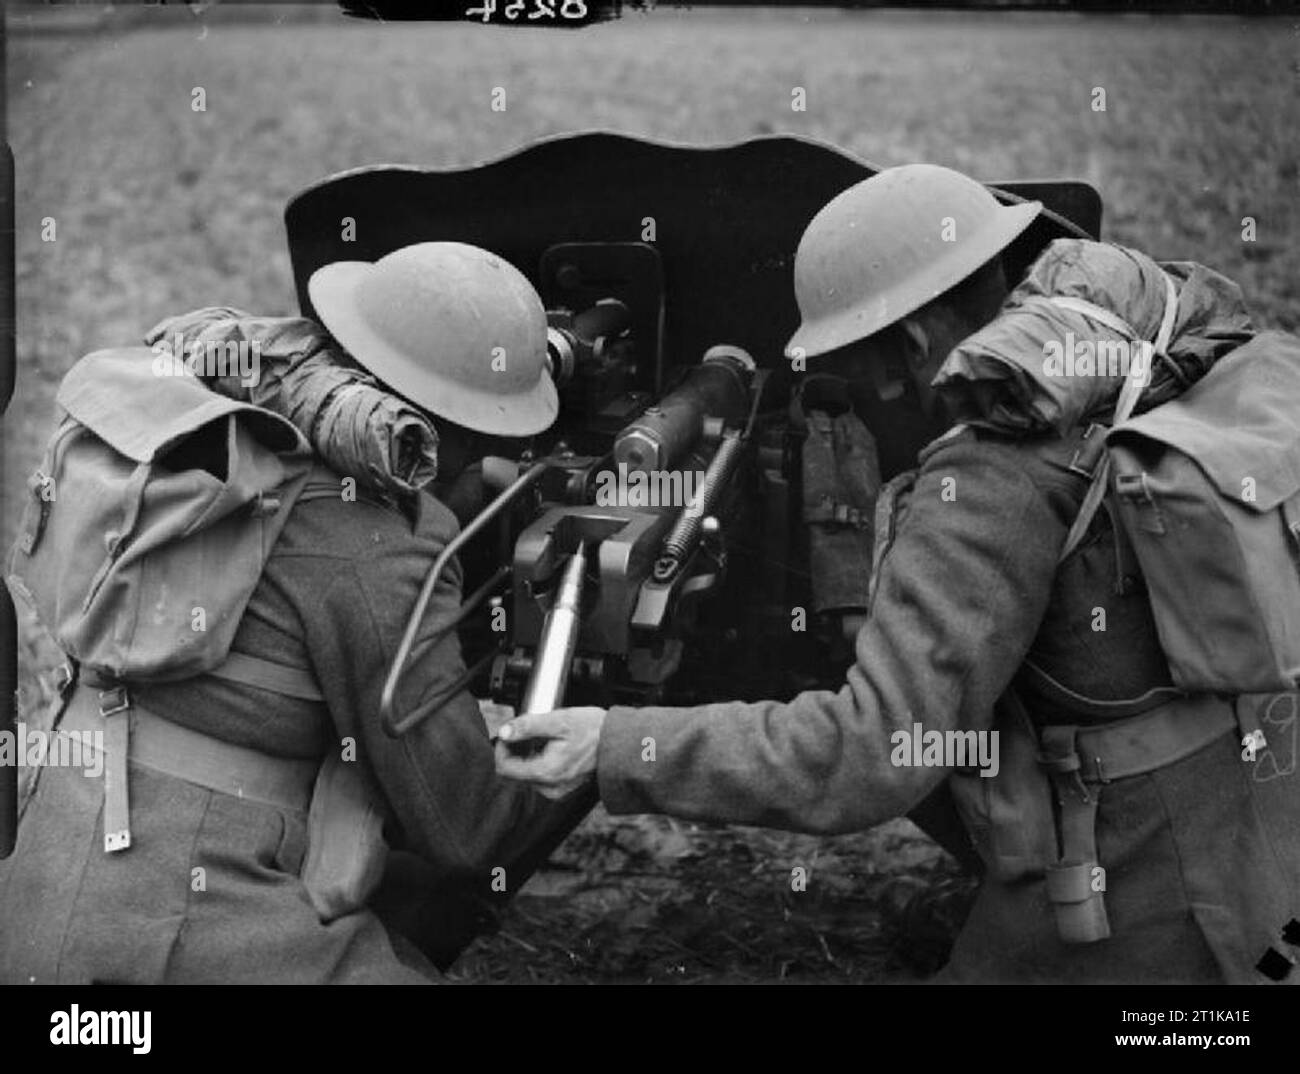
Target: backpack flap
141 404
166 501
1208 490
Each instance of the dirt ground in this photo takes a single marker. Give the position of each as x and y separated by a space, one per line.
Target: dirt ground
159 209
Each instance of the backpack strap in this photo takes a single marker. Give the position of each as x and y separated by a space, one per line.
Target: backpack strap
323 484
1139 374
319 490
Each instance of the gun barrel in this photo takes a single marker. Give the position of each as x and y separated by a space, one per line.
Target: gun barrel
718 387
559 638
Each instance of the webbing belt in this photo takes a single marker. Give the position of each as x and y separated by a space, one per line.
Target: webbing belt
1080 760
156 743
133 734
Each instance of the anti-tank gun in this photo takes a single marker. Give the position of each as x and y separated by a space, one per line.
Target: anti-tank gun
647 257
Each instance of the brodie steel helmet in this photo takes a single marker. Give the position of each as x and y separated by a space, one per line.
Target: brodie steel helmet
888 245
455 329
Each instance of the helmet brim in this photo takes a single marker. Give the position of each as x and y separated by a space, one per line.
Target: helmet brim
880 310
333 290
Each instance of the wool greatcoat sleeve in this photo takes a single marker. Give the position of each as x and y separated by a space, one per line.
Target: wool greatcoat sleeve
959 599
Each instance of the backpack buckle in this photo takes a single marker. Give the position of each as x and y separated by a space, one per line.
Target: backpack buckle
114 700
1091 449
266 504
63 678
1136 490
1134 487
39 482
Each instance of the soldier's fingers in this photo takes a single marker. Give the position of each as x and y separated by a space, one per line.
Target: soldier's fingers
532 725
513 767
536 769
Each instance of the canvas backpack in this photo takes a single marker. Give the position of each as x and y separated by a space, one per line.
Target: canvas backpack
1206 488
151 517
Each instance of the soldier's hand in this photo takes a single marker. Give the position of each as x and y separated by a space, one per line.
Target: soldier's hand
566 759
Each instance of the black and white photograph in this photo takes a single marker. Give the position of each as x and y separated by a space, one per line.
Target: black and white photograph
581 492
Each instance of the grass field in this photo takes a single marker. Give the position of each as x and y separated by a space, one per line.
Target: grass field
159 209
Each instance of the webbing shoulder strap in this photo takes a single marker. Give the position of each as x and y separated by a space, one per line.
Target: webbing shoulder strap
1139 374
322 483
268 675
331 490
